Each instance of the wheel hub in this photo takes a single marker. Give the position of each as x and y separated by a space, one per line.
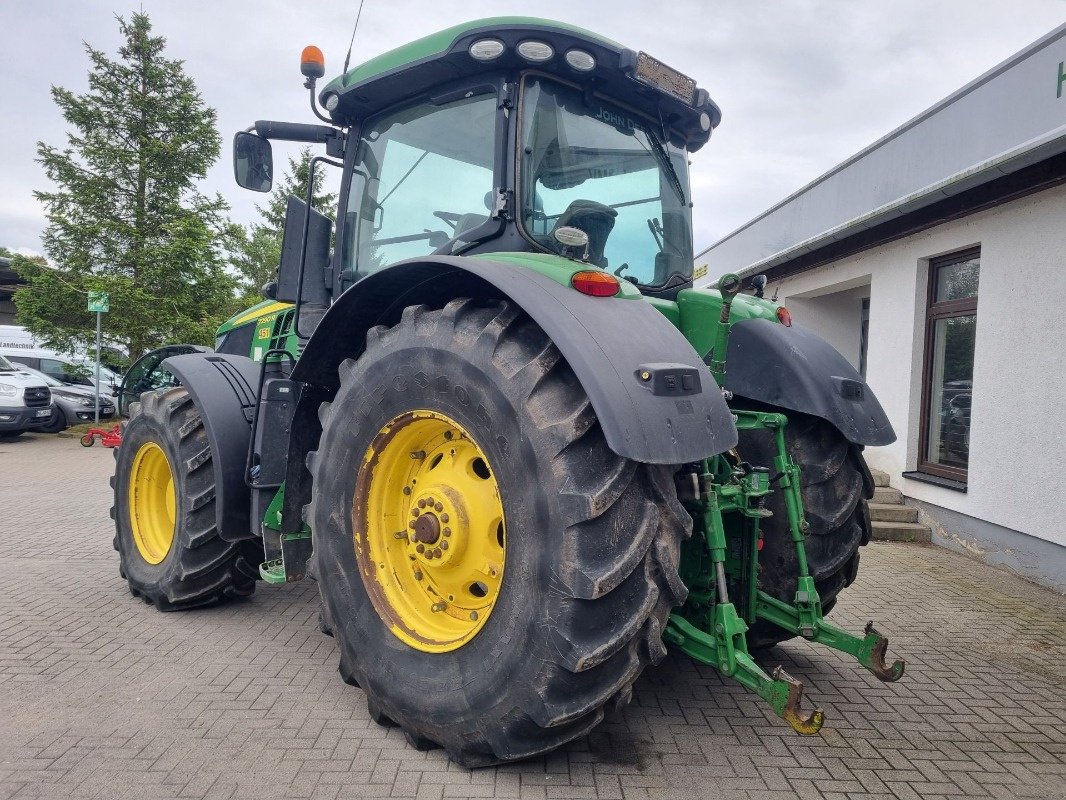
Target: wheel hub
429 528
152 503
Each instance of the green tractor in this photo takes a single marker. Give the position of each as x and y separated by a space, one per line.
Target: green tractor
490 416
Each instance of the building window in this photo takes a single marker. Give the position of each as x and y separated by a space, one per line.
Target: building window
947 391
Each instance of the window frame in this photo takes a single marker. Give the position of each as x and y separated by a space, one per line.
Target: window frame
935 311
672 283
496 83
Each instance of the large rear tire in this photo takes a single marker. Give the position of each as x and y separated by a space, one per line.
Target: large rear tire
566 604
169 546
836 485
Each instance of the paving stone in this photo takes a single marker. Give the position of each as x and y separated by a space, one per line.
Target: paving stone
103 697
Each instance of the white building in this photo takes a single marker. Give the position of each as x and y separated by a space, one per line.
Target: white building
935 260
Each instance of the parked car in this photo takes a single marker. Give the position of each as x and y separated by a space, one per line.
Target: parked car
73 404
19 346
25 401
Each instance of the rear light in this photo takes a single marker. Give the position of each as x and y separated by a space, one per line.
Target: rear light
535 51
784 316
595 283
486 49
580 60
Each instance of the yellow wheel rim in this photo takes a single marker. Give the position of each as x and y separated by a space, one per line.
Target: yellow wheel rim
429 531
152 503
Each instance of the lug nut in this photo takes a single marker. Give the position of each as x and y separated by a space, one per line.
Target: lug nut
420 549
414 512
473 616
438 507
411 524
437 553
439 606
421 503
448 434
443 517
407 490
418 574
443 545
447 531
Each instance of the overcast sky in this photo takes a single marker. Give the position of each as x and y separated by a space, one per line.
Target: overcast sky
802 84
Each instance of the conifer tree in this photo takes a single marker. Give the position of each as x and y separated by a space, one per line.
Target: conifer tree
124 214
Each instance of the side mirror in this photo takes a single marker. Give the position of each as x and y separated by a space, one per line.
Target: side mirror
253 162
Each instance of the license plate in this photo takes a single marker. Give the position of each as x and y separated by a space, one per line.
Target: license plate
43 412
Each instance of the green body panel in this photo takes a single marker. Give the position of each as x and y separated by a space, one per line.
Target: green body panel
699 310
559 269
440 42
252 314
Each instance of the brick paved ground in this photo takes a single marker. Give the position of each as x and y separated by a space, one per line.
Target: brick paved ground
103 697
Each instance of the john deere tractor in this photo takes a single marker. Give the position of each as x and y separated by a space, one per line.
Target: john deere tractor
490 415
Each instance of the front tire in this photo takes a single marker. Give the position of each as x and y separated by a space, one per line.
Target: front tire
836 485
57 424
169 546
588 542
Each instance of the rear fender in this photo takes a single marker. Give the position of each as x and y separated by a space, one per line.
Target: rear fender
795 369
674 416
224 389
608 342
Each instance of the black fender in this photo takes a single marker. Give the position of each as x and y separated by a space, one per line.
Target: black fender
224 388
674 414
796 369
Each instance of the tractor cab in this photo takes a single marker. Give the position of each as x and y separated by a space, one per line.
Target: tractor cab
493 136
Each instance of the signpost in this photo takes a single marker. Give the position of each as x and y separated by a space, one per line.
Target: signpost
98 303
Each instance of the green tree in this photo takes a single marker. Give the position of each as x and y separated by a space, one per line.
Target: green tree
124 215
258 252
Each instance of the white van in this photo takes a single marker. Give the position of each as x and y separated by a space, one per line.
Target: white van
25 401
18 345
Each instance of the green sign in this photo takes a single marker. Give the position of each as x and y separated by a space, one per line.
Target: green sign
98 301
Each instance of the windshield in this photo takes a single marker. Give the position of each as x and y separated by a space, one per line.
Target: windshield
5 365
48 379
598 167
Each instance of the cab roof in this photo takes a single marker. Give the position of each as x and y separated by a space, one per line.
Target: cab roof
418 67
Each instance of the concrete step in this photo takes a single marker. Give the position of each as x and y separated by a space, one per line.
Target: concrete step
892 512
880 478
902 532
886 494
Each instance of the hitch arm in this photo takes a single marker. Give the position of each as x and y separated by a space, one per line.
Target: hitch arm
868 650
783 692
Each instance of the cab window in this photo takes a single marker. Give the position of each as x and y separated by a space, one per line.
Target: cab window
423 179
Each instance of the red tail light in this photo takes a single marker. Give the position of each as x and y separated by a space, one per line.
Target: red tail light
784 316
595 283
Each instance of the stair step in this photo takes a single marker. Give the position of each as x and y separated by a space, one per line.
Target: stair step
902 532
892 512
880 477
886 494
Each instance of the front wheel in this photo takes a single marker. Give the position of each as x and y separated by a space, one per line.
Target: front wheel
495 576
836 484
170 550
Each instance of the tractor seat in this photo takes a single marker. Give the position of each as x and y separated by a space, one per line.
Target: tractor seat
467 222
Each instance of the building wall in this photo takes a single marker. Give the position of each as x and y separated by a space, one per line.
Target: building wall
833 313
1017 439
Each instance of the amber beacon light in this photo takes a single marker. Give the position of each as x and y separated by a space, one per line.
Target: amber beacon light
312 62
